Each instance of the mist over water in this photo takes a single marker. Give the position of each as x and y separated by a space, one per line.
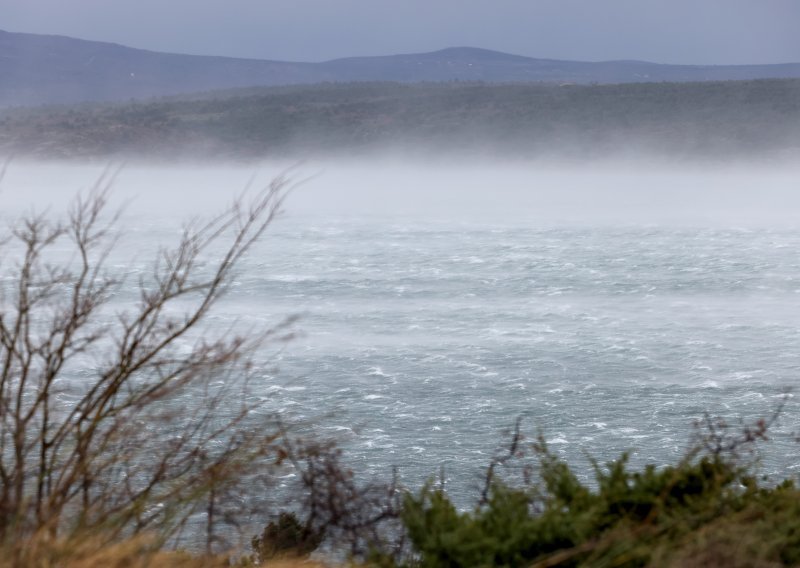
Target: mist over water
610 305
600 194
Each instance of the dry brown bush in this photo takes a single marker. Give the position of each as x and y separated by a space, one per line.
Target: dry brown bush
92 438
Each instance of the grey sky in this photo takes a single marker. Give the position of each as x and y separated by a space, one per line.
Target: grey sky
665 31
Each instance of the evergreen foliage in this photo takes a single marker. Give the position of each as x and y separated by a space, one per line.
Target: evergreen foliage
707 510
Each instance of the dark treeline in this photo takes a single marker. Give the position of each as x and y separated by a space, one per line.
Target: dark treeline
677 120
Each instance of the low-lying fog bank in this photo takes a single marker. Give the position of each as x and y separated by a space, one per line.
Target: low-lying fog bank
612 193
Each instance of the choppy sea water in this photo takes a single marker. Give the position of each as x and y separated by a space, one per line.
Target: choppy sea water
421 343
609 310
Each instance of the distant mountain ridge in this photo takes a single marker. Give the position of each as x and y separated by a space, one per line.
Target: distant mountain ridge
46 69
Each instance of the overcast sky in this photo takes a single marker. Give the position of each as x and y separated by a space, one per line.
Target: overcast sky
664 31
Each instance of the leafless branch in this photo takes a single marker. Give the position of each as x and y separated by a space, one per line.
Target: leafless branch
118 448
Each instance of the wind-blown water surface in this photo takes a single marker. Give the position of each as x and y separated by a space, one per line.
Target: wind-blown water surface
610 307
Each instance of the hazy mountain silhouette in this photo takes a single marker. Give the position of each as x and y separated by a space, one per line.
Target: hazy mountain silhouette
37 69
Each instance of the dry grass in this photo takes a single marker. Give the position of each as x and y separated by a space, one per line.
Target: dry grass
293 563
133 553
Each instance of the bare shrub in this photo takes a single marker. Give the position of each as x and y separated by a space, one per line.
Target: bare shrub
714 436
358 517
95 431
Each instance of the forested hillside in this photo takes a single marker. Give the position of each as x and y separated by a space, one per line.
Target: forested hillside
681 120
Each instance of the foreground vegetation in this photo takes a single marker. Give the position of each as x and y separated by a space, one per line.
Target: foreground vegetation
113 469
680 120
707 510
710 509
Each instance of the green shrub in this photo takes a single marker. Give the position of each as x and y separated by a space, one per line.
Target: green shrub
682 515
